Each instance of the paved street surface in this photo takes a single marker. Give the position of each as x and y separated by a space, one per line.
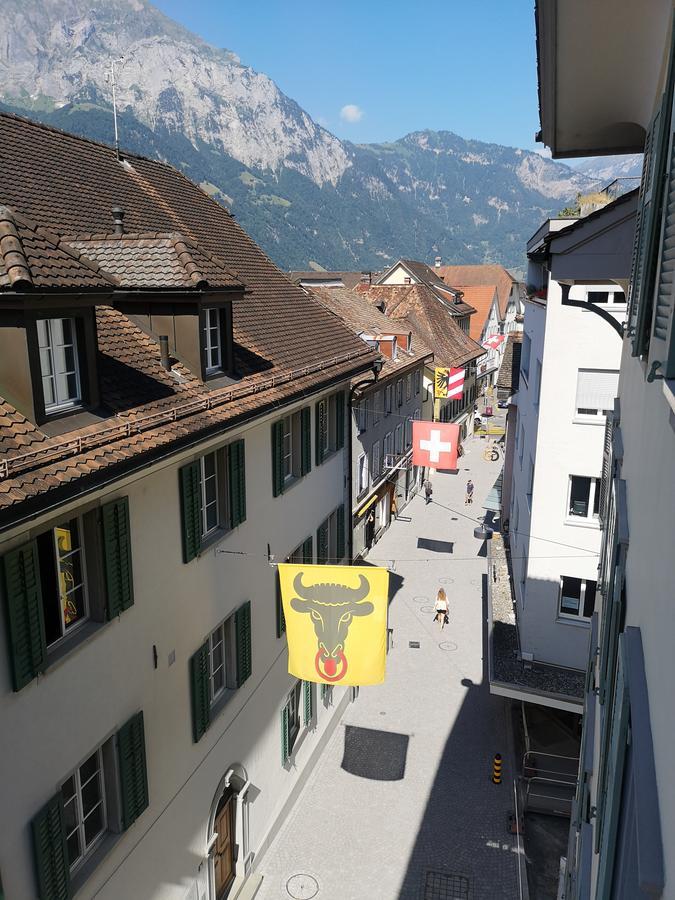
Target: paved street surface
439 832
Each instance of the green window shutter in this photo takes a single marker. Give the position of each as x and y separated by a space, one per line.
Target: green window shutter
285 736
237 475
277 458
23 598
190 503
340 542
199 691
281 618
322 543
309 711
321 429
133 769
243 635
305 440
117 556
339 421
308 552
324 691
49 847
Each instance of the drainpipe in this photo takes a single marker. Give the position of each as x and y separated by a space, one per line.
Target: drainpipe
377 368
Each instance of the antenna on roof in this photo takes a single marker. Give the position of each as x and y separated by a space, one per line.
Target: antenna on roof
110 77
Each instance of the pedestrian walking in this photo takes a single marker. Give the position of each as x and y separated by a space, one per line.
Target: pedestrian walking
428 491
468 500
441 608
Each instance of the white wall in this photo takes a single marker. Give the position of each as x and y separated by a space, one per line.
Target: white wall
54 723
398 275
564 339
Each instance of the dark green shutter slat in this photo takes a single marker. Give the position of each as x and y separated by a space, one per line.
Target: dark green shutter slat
307 687
117 556
199 691
307 552
339 421
322 543
237 476
23 599
281 618
243 630
285 741
133 769
321 429
306 440
190 502
277 458
49 848
340 542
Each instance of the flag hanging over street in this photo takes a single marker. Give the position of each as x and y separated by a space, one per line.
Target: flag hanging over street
448 383
336 622
435 444
493 342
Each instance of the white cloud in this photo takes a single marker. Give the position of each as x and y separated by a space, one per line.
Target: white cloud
351 113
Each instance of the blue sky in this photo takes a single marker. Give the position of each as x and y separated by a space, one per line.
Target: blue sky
467 67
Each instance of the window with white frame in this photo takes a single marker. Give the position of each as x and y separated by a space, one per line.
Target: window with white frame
59 364
408 434
376 462
62 577
222 659
584 497
388 449
609 298
294 715
208 471
287 447
213 350
377 406
363 473
84 809
388 399
398 440
596 391
577 597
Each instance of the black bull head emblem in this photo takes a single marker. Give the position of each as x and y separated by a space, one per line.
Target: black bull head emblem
332 608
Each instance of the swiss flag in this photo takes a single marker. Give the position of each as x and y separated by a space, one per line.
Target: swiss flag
435 444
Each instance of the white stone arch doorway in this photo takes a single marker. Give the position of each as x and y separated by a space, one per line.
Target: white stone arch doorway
228 837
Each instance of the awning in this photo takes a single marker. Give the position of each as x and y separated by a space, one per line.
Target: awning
493 501
360 511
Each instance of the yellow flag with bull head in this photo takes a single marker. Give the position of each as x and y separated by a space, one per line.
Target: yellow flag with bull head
336 622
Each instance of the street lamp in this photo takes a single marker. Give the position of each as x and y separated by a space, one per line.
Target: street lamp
483 533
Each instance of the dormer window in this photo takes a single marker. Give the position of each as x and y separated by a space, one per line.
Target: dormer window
213 341
59 365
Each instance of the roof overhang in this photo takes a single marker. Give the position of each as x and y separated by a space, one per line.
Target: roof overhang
599 66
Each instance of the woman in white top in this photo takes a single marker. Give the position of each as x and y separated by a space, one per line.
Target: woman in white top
441 608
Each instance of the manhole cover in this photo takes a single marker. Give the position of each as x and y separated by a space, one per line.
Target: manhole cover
302 887
441 886
414 645
447 580
420 599
427 609
448 645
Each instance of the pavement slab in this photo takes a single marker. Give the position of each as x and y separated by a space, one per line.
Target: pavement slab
440 832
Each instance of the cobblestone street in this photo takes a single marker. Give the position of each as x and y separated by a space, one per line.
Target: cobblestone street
440 832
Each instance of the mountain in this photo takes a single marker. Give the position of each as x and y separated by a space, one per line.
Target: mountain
606 168
303 194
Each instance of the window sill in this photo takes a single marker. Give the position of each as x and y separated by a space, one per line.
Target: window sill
69 645
581 522
213 538
219 705
86 870
590 420
297 744
574 621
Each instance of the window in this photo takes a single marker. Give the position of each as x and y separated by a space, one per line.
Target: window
62 575
287 447
213 341
399 392
584 498
408 387
537 381
377 406
408 434
330 538
530 486
84 809
362 416
577 597
388 450
222 659
291 449
376 461
418 382
330 426
387 399
398 440
596 392
290 722
59 365
525 356
208 476
613 298
363 473
521 444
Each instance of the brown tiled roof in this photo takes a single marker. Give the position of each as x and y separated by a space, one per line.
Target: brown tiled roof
286 344
348 279
509 371
32 257
153 260
428 276
480 296
430 318
362 316
486 274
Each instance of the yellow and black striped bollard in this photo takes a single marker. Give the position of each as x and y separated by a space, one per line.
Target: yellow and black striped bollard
497 769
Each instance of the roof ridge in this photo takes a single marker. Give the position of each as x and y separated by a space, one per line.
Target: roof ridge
11 251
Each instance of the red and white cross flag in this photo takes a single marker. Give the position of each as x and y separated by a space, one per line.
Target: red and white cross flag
494 341
435 444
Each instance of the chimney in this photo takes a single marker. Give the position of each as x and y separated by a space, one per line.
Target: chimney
366 277
164 351
437 262
118 220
